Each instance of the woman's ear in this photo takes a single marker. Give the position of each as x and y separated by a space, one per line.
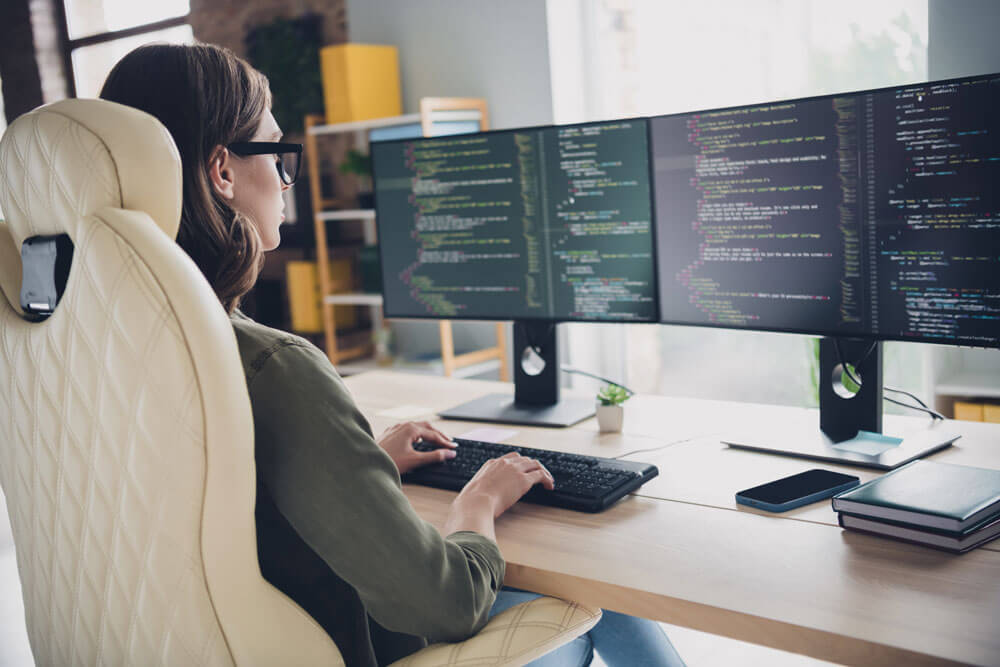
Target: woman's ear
220 172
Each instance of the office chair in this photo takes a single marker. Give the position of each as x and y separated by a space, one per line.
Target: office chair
126 435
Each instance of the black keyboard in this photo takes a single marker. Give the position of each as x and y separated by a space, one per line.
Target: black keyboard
584 483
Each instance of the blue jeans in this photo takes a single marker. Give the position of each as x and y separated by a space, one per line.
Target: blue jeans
620 640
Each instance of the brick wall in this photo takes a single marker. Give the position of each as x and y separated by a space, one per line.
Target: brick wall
227 22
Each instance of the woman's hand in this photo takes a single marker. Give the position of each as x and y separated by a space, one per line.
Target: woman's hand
397 441
497 485
505 480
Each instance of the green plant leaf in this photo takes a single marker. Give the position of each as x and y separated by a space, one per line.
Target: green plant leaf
357 163
612 394
287 52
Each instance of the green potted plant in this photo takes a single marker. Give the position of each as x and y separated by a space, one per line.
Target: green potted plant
360 165
287 52
610 411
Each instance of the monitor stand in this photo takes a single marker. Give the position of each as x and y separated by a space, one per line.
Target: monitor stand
536 386
850 430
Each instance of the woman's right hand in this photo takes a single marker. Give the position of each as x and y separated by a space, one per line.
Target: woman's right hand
504 480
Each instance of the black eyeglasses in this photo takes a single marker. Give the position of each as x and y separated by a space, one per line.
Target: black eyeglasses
289 156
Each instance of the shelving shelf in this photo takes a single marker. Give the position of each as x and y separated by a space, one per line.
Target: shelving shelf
347 214
433 120
406 119
969 383
353 299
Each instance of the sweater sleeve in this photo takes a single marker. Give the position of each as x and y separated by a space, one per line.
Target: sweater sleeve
341 492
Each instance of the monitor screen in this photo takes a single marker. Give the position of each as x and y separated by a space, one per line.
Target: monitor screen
540 223
867 214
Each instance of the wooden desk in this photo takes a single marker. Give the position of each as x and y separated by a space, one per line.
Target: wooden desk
683 552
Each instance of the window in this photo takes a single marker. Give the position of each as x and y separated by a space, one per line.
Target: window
99 32
623 58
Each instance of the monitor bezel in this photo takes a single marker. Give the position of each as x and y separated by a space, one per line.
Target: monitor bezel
816 333
655 319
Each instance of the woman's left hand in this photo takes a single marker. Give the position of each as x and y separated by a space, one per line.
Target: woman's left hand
397 441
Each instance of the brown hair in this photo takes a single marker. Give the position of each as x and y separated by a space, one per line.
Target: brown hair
206 97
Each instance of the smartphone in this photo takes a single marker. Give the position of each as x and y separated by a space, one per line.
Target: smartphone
798 490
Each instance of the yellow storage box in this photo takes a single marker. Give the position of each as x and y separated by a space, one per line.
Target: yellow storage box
360 81
303 296
991 413
969 411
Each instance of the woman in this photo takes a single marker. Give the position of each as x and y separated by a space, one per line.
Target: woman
334 530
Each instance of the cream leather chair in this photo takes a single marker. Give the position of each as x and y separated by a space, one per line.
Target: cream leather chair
126 440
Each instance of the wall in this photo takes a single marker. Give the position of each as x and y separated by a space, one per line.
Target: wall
477 48
962 38
227 22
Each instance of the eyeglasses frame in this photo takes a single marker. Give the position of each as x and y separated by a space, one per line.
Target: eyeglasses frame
246 148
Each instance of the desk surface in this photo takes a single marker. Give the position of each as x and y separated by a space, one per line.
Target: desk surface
683 552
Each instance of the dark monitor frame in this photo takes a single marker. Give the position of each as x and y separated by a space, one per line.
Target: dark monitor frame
853 335
655 319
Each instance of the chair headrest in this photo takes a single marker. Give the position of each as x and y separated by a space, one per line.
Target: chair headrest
66 160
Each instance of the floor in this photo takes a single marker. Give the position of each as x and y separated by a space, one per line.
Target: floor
697 648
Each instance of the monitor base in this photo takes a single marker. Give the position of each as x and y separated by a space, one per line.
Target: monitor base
868 450
502 408
850 428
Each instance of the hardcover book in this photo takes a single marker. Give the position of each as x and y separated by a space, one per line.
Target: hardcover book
949 541
943 496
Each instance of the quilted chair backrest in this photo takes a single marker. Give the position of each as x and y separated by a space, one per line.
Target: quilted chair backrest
126 436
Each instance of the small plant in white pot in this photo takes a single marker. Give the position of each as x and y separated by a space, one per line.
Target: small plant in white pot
610 411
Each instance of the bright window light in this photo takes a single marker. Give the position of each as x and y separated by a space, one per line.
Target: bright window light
90 17
91 64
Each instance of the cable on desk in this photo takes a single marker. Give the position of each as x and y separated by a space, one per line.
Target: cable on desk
654 449
850 374
570 369
933 413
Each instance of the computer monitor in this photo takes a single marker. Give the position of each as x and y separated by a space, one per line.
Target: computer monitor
536 225
866 217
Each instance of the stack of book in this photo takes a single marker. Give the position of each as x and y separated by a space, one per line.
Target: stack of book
951 507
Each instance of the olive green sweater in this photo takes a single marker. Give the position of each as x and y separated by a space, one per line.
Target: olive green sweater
334 530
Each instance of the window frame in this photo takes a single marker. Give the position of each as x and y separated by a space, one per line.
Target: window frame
68 45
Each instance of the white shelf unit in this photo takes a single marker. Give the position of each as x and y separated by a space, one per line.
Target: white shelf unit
441 116
962 374
353 299
367 216
981 384
348 214
438 116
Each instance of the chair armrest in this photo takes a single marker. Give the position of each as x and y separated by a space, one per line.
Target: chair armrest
514 637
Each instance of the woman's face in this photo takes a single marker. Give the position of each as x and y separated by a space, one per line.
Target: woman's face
257 187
